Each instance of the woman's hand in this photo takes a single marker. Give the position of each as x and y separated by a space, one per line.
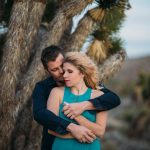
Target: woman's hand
74 109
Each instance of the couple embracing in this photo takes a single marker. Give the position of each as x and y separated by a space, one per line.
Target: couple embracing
70 104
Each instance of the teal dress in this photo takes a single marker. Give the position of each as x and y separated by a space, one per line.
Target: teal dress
73 144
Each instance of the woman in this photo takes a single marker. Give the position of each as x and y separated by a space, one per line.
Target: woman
81 80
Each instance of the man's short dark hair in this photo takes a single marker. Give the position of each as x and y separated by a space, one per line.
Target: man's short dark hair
50 54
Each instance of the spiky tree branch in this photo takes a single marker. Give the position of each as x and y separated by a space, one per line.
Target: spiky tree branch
53 36
97 51
111 65
88 23
78 38
103 42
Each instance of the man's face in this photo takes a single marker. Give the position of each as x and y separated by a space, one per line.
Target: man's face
55 68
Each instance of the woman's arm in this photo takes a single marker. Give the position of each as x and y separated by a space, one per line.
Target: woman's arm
107 101
54 100
42 115
97 128
59 135
53 104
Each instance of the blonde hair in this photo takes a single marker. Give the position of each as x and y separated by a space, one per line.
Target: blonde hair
86 66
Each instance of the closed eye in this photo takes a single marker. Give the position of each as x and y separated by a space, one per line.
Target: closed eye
54 69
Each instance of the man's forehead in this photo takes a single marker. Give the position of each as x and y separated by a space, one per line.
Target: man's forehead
57 63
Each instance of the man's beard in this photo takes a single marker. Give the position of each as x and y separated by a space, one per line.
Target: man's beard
60 83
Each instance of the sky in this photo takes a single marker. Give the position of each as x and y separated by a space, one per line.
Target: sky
135 31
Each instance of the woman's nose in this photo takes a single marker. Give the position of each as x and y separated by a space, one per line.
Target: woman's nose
64 75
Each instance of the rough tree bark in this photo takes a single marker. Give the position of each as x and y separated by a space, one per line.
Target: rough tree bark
111 65
88 23
79 36
13 97
15 48
21 67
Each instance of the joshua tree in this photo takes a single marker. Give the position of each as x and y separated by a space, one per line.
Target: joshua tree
28 34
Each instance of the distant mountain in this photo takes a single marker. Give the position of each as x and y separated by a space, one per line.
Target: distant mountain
132 68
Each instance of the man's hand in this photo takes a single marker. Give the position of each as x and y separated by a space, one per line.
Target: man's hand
81 133
75 109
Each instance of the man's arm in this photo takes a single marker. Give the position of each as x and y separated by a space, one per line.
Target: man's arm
107 101
44 116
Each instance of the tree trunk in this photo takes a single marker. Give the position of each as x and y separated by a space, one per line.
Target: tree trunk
19 40
21 66
89 22
29 137
78 38
35 14
111 65
56 29
11 68
13 97
2 3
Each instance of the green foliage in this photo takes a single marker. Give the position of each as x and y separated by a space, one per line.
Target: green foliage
131 114
100 34
111 24
113 20
108 4
144 82
116 45
138 118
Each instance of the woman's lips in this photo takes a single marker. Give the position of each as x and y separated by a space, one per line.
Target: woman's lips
66 80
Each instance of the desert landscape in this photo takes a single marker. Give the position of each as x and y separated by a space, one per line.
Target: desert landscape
129 124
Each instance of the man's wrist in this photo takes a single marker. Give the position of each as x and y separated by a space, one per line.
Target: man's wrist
87 105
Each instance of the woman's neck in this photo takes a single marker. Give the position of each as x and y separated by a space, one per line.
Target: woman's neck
79 88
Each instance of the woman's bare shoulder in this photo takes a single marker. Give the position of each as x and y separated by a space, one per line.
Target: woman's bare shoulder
57 91
96 93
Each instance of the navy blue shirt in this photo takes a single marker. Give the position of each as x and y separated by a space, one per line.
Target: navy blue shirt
50 121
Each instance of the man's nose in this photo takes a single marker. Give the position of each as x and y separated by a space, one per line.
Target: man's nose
61 70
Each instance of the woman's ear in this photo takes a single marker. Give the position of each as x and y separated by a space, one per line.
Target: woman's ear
82 75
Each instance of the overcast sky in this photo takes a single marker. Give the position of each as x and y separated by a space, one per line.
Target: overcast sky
136 29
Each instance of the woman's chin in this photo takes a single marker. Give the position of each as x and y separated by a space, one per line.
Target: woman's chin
68 85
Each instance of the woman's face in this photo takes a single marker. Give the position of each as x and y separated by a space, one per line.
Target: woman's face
72 76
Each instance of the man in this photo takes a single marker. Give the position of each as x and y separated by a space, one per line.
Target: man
52 59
